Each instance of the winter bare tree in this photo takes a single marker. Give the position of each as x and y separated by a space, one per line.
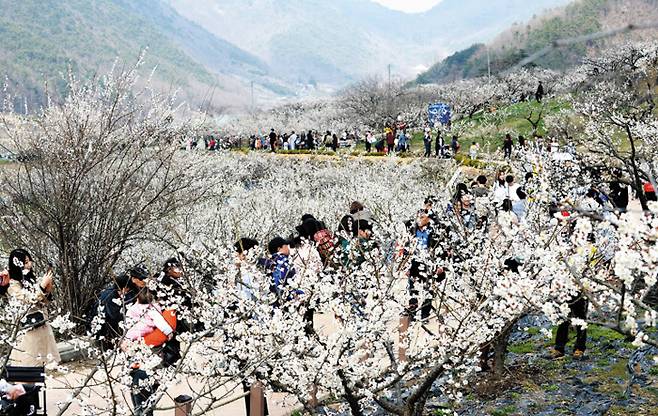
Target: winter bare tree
94 174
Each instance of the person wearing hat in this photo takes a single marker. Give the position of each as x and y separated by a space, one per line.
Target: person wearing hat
170 285
112 302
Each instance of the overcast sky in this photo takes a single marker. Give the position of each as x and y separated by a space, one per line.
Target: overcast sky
409 6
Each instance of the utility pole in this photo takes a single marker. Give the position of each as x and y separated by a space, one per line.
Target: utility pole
252 96
388 92
389 77
488 64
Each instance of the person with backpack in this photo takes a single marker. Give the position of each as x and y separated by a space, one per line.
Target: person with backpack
316 231
145 321
37 345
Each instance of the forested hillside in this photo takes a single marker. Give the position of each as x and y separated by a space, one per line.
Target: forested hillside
42 39
521 40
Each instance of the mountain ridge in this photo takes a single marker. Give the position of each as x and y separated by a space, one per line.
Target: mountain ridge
43 39
352 38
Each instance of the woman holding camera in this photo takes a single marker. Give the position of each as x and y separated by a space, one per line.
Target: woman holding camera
36 343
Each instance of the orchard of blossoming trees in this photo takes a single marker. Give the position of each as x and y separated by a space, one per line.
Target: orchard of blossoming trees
374 321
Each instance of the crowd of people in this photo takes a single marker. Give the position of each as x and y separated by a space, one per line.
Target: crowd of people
394 139
154 317
149 315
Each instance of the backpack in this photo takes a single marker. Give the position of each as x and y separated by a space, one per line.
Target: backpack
325 241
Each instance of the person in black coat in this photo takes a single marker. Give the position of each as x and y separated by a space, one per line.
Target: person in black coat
273 138
619 192
539 95
508 143
310 140
124 288
438 144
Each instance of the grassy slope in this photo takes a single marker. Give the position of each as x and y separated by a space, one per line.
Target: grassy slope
538 385
489 128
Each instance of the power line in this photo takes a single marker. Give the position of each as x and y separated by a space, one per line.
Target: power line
631 27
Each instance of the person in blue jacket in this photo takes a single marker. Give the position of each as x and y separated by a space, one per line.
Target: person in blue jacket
278 266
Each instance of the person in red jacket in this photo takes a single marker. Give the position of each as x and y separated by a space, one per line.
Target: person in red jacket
390 139
649 191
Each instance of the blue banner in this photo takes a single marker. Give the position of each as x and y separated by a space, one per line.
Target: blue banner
439 113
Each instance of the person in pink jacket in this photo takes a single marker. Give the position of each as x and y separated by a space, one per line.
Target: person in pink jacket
144 317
